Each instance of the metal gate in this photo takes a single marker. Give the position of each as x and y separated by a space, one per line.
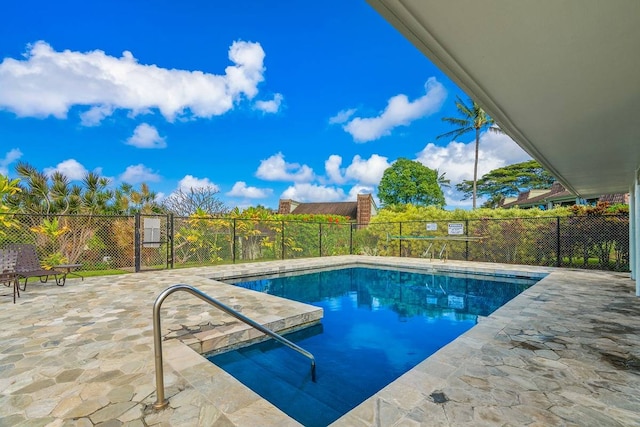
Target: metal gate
153 242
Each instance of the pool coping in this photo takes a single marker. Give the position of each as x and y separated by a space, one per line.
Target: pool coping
390 405
245 398
547 357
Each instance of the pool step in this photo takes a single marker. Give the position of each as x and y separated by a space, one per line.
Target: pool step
286 382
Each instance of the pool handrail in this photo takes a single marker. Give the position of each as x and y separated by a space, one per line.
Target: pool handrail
429 252
443 251
161 402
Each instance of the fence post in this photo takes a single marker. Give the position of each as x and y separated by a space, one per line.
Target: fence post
466 242
282 240
170 226
559 261
233 243
320 239
351 239
136 243
400 240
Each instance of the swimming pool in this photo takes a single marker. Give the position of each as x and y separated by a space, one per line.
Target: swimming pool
377 325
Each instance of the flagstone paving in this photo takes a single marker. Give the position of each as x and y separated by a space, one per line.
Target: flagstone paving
565 352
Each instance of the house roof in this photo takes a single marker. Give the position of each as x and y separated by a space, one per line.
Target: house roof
349 209
615 199
557 193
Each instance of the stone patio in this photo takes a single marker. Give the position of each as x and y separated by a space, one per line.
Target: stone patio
565 352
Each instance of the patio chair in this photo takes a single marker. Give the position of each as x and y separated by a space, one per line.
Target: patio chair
28 265
8 276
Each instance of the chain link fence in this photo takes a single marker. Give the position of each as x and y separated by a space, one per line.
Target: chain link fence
596 242
96 242
199 241
143 242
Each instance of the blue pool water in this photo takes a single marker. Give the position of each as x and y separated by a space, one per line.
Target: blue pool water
377 325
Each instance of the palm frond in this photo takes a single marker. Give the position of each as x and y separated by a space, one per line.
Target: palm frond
455 133
464 109
456 121
496 129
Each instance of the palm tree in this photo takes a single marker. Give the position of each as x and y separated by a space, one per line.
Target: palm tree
8 188
129 201
96 196
55 194
40 194
472 118
443 181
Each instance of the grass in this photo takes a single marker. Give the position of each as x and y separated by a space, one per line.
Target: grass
83 273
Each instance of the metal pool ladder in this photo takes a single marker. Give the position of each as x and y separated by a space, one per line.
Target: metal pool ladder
161 402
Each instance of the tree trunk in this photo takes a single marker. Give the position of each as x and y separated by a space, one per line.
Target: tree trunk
475 168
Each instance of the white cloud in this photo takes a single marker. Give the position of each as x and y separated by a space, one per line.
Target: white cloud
95 115
367 171
243 78
457 158
11 156
71 168
49 83
272 106
342 117
304 192
364 171
190 181
332 168
240 189
276 169
453 200
399 112
496 145
361 189
146 136
136 174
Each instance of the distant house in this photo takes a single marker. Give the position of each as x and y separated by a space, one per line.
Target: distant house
360 211
557 195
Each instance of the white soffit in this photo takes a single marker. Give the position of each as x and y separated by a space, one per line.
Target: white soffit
561 77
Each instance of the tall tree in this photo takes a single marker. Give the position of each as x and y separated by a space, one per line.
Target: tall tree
54 194
185 203
8 188
472 118
508 181
129 201
410 182
96 197
443 181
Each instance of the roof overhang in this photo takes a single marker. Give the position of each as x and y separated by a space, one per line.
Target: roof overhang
562 78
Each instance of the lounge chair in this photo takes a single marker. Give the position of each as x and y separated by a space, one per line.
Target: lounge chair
8 276
28 265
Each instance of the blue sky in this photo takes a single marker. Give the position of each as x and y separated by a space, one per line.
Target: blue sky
259 100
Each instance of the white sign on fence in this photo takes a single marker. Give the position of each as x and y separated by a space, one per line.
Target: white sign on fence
456 228
151 233
432 226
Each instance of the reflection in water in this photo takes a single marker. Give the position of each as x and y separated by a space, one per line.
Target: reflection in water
377 325
406 293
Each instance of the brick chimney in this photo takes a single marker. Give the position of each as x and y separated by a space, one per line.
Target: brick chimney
365 210
284 207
